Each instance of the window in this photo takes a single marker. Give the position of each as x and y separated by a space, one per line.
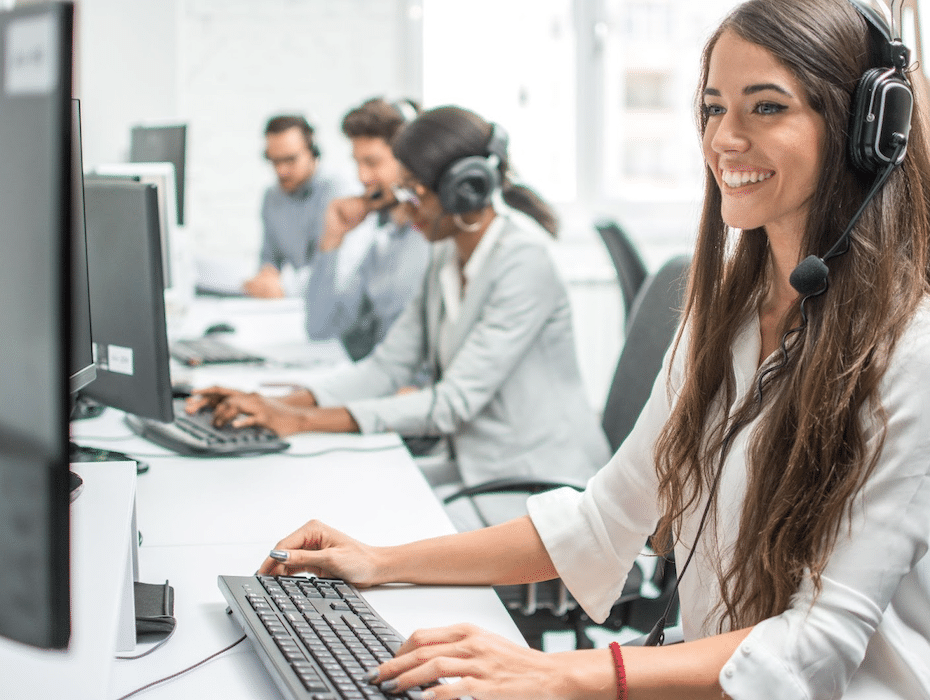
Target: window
648 90
597 96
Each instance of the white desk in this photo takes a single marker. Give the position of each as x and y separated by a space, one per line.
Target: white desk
273 328
203 517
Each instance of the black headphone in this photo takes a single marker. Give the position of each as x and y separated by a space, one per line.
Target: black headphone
308 134
467 183
883 101
880 123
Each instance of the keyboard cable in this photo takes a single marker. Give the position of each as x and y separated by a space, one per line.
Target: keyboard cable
182 671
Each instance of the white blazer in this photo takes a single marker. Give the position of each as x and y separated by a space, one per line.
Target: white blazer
511 399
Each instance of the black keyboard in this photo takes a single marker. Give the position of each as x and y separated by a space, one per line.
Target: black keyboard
196 436
210 351
316 637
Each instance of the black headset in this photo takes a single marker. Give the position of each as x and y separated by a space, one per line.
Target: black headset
880 124
307 132
467 183
883 101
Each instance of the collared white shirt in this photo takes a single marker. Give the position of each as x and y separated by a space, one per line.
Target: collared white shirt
867 635
453 293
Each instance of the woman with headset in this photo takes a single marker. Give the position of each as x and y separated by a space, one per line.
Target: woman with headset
786 445
492 323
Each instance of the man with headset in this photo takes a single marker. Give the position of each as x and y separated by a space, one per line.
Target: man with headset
359 303
292 209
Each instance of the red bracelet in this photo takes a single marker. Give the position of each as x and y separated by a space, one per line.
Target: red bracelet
621 670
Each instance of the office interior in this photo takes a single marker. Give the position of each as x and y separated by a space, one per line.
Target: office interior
597 98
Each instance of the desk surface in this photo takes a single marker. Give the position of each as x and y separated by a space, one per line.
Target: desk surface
200 518
203 517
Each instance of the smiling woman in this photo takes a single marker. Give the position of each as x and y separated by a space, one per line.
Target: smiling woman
784 448
763 141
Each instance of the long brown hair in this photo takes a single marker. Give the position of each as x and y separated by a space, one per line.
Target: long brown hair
813 448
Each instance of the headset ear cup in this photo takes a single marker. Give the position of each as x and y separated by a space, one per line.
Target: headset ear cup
861 126
882 106
467 185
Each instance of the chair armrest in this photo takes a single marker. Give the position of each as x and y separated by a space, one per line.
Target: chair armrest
513 485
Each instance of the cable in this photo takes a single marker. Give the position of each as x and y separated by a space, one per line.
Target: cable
154 647
182 671
380 448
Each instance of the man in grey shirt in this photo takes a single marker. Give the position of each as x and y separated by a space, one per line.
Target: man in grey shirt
293 209
359 304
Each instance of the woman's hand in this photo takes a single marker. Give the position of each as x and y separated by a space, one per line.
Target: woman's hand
241 409
488 667
321 550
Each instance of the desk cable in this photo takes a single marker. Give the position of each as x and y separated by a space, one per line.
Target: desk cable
154 647
330 450
319 453
182 671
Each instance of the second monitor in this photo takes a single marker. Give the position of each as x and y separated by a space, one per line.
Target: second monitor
163 144
127 298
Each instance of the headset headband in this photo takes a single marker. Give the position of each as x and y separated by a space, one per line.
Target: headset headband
894 52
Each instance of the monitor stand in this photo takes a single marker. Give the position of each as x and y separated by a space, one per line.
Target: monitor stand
104 564
83 407
82 453
77 484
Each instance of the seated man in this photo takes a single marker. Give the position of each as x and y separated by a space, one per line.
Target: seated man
359 305
293 209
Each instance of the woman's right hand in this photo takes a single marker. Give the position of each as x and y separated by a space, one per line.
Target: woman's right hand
321 550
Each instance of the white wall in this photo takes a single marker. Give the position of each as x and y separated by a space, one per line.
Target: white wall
223 67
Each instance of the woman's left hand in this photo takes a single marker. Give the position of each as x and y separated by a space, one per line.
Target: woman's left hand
242 409
487 666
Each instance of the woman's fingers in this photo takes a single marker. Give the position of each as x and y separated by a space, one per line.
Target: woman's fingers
319 549
486 666
202 398
429 655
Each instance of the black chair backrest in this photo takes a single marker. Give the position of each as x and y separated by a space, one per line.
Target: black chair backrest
653 320
631 270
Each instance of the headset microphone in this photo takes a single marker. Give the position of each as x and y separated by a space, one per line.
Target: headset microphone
810 276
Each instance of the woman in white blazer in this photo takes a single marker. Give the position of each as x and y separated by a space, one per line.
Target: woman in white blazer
492 325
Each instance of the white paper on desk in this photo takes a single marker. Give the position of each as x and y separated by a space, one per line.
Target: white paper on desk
222 275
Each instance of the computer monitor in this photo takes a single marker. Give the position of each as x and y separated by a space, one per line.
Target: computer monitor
163 144
82 369
127 298
162 176
35 318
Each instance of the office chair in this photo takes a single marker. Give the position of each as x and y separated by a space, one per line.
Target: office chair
548 606
629 265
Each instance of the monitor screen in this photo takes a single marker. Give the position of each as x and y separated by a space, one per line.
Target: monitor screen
35 318
82 368
127 297
163 144
162 176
